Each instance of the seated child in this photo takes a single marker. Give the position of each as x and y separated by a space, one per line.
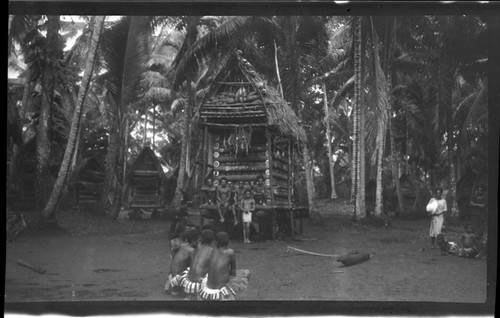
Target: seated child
247 206
468 243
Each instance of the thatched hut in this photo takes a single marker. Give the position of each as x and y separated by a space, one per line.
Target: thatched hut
145 181
415 193
249 130
88 179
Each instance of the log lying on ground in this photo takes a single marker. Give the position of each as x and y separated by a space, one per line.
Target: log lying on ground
39 270
353 259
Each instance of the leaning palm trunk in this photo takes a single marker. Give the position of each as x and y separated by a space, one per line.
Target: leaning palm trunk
51 206
43 149
329 145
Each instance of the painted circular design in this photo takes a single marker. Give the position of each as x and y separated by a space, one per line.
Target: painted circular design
268 183
267 163
216 154
267 172
216 164
216 173
216 182
217 137
216 145
267 152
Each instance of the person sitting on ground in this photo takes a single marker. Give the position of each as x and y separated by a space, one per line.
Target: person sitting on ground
247 207
223 197
446 247
223 281
178 231
198 268
180 262
468 243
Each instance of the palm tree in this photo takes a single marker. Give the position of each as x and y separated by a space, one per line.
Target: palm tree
53 52
358 123
125 55
71 146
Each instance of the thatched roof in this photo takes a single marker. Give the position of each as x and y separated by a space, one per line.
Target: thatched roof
268 107
147 160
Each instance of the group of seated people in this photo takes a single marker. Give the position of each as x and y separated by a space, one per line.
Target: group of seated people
201 269
470 244
230 203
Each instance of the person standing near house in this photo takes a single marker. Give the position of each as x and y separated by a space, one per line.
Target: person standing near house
436 208
223 198
478 210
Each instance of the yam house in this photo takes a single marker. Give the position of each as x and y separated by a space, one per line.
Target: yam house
145 184
250 131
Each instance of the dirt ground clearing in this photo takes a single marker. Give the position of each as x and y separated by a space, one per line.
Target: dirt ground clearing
134 266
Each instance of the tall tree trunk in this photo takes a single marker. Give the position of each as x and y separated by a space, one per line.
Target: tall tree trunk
51 206
110 164
359 145
43 144
191 36
445 100
333 194
394 153
383 105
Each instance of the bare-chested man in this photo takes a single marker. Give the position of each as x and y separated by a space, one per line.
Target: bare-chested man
198 268
223 198
180 262
223 281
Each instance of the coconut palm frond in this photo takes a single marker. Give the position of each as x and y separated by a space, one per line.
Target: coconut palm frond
342 91
125 51
187 63
478 111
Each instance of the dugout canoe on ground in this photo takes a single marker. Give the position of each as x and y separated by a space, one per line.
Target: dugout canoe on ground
352 258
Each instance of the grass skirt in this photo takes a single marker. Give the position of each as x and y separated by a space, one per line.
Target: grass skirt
236 286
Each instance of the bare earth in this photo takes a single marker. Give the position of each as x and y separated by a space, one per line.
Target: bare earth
132 263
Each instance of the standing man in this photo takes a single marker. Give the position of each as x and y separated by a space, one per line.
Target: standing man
199 264
223 198
223 281
478 210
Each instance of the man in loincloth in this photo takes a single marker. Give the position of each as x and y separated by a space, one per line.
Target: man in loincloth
180 263
198 268
223 281
223 198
